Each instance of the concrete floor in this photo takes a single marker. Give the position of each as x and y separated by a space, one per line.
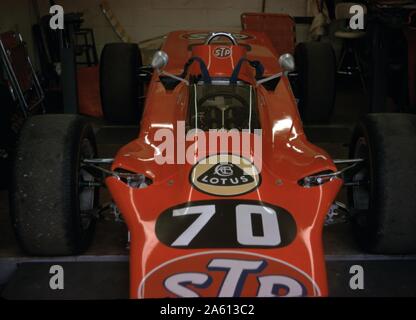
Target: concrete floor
111 237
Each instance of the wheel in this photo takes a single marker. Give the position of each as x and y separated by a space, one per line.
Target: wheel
120 87
384 202
51 203
316 67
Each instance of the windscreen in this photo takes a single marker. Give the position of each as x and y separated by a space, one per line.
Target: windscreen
222 107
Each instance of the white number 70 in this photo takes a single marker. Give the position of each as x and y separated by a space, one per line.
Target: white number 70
245 235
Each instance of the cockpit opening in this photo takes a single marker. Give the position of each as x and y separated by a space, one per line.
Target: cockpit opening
215 106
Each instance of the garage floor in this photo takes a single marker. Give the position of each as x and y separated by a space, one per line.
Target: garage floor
103 271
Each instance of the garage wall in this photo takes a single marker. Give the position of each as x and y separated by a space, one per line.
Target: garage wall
144 19
18 15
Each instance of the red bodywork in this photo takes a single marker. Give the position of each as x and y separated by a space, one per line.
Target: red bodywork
287 157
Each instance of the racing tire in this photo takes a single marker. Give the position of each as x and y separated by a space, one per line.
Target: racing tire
51 210
384 207
120 88
316 67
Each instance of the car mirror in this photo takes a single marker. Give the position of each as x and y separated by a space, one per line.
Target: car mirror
287 62
160 60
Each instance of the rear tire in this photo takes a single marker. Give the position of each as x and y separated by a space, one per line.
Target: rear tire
49 207
316 66
384 211
120 87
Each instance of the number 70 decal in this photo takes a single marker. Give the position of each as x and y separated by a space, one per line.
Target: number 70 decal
245 236
226 224
205 214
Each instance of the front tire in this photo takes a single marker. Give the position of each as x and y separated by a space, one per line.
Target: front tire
50 208
384 208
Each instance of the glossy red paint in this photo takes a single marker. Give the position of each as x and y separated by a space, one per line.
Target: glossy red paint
287 157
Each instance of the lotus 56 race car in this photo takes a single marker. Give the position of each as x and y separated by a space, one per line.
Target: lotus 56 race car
222 193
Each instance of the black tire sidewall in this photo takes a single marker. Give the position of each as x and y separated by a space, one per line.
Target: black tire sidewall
390 226
365 233
80 131
44 194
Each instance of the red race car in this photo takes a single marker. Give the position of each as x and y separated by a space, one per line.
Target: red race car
222 192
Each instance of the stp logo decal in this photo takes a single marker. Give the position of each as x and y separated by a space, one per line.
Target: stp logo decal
226 274
225 175
222 52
